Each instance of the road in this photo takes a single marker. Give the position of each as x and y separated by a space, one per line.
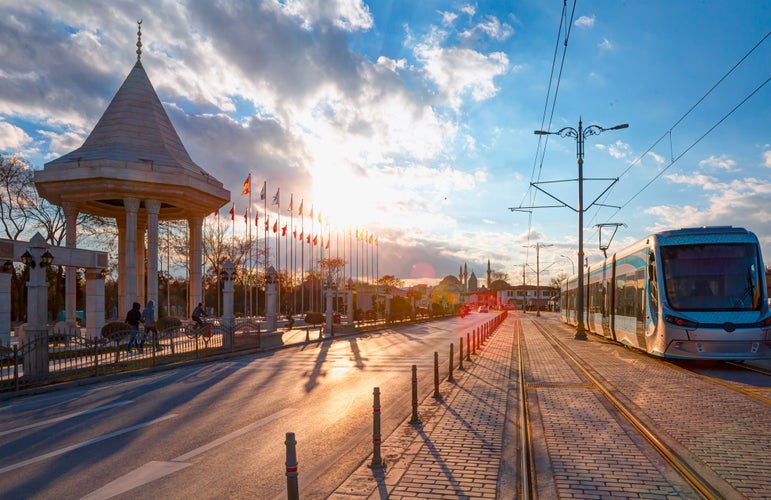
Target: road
218 429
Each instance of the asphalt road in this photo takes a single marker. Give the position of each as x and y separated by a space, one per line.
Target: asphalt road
217 430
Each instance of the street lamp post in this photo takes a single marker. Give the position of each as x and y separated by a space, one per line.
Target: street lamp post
580 135
571 263
538 247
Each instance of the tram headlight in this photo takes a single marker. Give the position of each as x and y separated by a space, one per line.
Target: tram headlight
680 322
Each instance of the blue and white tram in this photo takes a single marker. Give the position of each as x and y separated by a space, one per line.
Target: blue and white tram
695 293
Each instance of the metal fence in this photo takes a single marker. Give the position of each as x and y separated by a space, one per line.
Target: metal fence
65 355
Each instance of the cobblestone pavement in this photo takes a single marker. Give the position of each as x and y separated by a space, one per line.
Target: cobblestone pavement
456 452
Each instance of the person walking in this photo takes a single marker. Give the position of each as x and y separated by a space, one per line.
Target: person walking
148 319
133 317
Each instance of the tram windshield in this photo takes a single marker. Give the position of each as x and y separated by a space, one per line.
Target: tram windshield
712 277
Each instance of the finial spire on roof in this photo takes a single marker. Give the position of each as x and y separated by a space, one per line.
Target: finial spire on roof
139 39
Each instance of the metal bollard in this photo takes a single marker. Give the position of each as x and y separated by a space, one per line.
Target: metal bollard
460 359
292 490
436 376
415 419
377 460
468 348
452 355
473 345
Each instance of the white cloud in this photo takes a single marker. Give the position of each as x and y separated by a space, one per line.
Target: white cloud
584 22
618 149
349 15
458 71
12 138
721 163
767 159
491 27
605 44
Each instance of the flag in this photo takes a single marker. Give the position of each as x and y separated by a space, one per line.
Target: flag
327 247
275 227
294 234
370 239
308 239
256 219
262 193
233 212
315 240
246 216
311 211
301 236
276 198
319 216
291 202
300 210
246 185
216 213
283 230
266 222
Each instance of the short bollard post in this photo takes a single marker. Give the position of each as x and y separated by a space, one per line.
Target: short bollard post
452 355
415 419
377 460
460 359
292 491
468 348
473 345
436 376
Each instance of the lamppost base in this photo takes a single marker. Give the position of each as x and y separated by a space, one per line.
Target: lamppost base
580 334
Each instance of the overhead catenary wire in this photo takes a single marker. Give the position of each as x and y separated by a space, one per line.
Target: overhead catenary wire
668 132
541 151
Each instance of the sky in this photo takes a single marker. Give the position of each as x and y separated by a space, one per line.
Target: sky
414 120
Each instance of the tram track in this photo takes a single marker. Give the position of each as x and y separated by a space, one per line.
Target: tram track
693 477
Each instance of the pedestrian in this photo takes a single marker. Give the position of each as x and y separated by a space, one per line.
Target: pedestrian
148 319
197 313
133 317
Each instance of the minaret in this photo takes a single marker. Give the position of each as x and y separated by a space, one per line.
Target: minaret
465 277
489 274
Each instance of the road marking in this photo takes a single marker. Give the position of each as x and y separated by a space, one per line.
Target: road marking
151 471
67 449
65 417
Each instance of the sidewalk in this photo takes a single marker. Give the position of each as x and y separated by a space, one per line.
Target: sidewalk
458 450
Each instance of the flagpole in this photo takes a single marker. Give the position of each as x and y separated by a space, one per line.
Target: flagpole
302 257
249 233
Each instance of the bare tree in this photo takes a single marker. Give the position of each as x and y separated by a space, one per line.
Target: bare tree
16 194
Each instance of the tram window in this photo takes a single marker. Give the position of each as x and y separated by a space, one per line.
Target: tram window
715 276
620 280
654 293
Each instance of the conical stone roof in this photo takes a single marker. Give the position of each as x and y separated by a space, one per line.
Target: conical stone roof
133 151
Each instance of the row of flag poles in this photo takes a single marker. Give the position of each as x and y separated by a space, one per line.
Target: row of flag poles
314 238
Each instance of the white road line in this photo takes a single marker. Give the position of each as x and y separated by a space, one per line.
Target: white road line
232 435
65 417
151 471
67 449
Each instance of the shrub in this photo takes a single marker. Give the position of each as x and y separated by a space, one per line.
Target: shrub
115 329
314 318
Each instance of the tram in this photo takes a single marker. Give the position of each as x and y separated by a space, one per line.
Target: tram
693 293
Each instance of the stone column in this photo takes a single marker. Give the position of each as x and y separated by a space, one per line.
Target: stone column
129 255
70 272
228 318
140 251
122 300
196 259
271 281
153 208
94 302
5 304
36 330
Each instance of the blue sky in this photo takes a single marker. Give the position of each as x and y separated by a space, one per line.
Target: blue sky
415 120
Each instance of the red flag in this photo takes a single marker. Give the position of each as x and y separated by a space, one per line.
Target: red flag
308 239
233 212
315 240
216 213
256 219
283 230
294 234
266 222
275 227
246 185
327 247
246 216
301 236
